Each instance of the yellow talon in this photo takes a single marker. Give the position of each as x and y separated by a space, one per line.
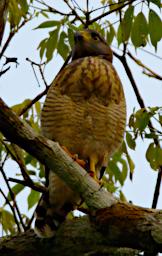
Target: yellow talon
92 172
81 162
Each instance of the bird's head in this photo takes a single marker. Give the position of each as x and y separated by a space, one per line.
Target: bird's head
90 43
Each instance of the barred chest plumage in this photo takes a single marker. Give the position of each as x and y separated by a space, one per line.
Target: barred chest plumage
85 109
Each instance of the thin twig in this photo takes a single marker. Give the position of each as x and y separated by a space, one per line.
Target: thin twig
30 221
87 5
36 187
39 96
12 33
32 102
74 12
111 11
12 209
51 9
12 197
138 62
40 70
18 160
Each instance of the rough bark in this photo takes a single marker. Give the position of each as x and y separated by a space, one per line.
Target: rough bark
121 225
80 239
111 222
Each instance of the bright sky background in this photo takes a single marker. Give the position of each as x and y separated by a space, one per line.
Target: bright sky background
19 83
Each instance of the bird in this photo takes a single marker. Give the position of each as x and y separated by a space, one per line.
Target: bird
85 112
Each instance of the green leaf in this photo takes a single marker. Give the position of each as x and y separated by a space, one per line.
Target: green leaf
110 34
62 47
156 2
160 119
41 171
18 107
126 23
16 190
119 34
24 6
7 221
38 108
155 22
52 43
48 24
151 135
71 37
42 46
131 163
130 141
17 10
139 31
44 14
142 119
124 170
33 198
112 166
122 197
154 156
29 159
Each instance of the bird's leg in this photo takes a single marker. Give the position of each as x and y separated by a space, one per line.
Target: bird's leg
81 162
92 170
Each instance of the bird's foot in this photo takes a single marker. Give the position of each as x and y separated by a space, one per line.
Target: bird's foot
75 157
93 175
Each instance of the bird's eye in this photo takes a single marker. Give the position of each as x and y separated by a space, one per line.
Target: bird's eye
95 36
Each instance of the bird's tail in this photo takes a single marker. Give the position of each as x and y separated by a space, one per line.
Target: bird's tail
54 206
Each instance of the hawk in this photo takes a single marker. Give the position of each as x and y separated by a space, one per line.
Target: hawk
85 111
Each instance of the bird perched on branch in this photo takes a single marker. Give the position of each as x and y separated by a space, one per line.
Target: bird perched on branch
85 112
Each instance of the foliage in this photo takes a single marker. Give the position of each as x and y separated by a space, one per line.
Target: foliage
133 23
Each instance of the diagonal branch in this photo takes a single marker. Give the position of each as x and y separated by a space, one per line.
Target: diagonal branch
11 34
111 11
12 197
151 72
12 209
32 185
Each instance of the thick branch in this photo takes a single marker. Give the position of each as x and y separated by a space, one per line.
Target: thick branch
80 238
121 225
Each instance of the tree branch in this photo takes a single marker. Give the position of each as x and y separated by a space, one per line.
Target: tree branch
13 198
32 102
12 33
32 185
80 238
139 63
12 209
111 11
121 225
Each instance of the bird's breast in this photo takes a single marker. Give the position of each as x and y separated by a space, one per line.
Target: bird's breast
85 108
